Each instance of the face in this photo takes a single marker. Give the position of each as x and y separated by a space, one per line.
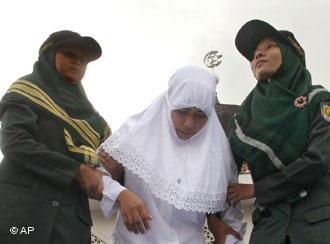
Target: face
188 121
71 63
267 59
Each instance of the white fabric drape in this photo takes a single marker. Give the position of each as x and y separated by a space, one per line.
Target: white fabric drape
189 174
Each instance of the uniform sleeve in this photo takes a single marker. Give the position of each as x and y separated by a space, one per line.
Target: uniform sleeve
18 145
293 181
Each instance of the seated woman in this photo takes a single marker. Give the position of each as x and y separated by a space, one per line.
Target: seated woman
176 158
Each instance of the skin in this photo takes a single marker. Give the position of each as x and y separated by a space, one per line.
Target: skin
90 181
188 122
134 211
238 192
71 63
267 59
221 229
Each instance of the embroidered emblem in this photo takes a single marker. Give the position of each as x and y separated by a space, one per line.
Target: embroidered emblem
325 110
300 102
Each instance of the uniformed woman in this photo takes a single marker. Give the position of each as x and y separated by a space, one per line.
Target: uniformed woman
282 130
49 133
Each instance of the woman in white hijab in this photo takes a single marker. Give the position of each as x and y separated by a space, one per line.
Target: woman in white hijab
176 158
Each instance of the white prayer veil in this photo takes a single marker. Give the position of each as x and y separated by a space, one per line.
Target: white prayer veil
190 174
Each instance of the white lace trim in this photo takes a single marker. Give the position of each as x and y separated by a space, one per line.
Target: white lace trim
168 191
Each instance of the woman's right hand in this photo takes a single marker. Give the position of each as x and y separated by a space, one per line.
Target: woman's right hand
135 213
90 181
238 192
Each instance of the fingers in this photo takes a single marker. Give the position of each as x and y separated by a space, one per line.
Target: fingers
90 181
146 217
139 225
129 222
134 223
111 165
235 234
233 198
99 190
102 157
238 192
95 192
135 214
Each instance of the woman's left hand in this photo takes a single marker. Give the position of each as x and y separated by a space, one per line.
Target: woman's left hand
221 229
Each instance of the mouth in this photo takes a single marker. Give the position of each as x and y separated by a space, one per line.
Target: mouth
184 136
259 63
75 70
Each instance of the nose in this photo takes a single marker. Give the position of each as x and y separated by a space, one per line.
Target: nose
76 60
189 122
258 53
79 59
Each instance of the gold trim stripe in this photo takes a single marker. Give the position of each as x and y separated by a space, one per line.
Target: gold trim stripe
89 153
45 95
35 94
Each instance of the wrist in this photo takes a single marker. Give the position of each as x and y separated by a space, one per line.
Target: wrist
121 195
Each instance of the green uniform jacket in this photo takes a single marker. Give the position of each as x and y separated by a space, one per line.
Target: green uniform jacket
305 216
40 202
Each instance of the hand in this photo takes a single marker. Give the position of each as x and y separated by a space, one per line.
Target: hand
116 170
221 229
134 212
238 192
90 181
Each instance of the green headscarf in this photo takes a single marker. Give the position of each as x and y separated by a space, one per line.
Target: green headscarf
269 131
84 128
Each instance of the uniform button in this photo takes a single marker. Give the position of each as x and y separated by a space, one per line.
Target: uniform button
55 203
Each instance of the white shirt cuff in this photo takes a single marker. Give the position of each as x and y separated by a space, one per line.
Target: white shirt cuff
110 193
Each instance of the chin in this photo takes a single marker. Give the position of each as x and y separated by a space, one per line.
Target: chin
263 76
73 81
184 137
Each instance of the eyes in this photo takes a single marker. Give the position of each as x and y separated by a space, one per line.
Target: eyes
271 45
191 111
72 54
262 47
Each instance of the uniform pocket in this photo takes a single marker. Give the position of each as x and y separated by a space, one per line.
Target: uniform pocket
317 215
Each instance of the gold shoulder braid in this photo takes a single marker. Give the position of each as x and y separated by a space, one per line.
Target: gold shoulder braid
81 127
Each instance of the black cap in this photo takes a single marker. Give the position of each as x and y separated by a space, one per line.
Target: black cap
253 31
69 38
